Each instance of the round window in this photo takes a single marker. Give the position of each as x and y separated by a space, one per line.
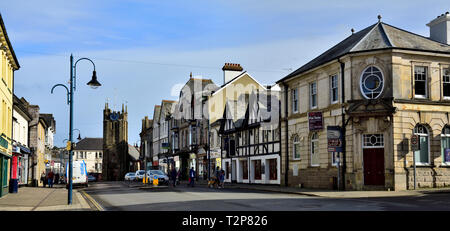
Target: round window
372 82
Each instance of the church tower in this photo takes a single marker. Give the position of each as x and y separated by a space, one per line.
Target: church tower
116 161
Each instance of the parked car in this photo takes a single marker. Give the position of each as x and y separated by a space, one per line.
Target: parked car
130 176
140 174
91 178
162 178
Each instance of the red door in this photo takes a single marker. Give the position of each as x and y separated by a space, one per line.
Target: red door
374 166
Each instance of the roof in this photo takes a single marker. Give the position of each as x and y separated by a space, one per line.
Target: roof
13 54
378 36
49 120
133 152
90 144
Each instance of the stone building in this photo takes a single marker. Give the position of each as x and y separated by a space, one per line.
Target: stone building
37 129
116 161
189 127
146 148
91 151
381 86
21 149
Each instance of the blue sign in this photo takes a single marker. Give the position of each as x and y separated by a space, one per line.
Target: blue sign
447 155
155 177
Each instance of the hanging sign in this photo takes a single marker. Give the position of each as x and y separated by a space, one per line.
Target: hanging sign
315 121
334 136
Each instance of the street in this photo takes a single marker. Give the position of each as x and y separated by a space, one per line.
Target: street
118 196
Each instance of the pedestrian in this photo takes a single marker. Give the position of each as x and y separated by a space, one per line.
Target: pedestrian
174 176
222 178
178 176
217 174
44 179
192 177
50 179
56 178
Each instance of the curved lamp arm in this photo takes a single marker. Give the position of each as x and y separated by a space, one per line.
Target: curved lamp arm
75 71
67 89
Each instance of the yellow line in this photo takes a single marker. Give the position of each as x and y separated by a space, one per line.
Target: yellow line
97 205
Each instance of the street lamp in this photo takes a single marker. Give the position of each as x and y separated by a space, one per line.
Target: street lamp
79 134
72 81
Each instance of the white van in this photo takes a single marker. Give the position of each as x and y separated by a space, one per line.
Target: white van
79 173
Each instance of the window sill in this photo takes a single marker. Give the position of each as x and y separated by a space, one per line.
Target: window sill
296 159
445 165
423 166
315 166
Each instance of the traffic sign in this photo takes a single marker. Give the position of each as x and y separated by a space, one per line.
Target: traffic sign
415 143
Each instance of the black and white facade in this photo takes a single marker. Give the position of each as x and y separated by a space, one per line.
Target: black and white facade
250 134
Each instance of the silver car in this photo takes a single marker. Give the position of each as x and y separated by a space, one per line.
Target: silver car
162 178
130 176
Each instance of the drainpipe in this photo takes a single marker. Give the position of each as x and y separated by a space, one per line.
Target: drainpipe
344 159
286 134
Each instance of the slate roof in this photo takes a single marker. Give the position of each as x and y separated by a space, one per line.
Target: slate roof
90 144
133 152
378 36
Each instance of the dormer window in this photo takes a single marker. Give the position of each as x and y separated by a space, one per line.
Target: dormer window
372 82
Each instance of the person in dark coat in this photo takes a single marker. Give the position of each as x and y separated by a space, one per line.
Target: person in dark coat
174 174
44 179
50 179
191 177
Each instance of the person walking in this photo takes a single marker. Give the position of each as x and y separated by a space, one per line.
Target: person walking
44 179
192 177
217 174
56 181
222 179
50 179
174 176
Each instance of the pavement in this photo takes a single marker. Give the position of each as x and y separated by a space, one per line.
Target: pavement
45 199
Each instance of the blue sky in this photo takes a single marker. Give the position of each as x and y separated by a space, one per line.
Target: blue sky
145 50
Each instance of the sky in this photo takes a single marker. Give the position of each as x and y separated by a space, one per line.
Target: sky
144 51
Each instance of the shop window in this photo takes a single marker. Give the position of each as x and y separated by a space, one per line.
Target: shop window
315 150
445 145
227 170
422 155
420 82
273 169
372 82
245 170
446 83
257 169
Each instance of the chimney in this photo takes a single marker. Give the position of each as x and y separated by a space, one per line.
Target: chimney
230 71
440 28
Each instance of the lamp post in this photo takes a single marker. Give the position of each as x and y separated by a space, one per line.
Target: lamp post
72 81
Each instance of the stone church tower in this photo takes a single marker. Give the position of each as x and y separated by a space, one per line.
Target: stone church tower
115 144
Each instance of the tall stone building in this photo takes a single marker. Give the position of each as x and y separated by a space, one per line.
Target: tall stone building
115 144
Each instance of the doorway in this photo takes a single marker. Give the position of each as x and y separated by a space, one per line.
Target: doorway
373 166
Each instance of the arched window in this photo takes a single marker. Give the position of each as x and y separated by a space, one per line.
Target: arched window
296 149
423 155
445 145
315 149
372 82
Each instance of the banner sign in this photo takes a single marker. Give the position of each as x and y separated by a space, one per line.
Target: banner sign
334 136
315 121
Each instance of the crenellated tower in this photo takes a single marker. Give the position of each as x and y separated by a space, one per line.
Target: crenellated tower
116 161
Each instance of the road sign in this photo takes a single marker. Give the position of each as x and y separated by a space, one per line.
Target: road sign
68 146
415 143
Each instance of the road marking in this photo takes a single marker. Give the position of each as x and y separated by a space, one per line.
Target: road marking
94 202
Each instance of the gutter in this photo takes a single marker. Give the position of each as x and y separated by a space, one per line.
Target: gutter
344 124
